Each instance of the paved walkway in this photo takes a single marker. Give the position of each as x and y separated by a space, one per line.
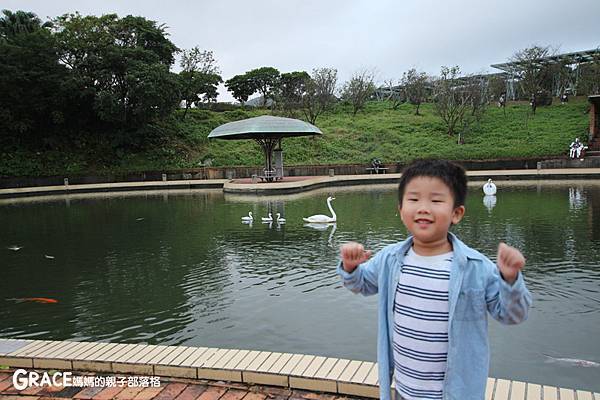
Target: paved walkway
292 184
170 388
122 371
194 389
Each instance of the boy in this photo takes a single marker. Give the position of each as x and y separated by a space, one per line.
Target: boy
434 291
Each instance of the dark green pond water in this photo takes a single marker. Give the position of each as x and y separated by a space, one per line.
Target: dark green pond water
180 268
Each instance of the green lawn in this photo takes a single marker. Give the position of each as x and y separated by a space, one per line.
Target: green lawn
378 131
399 135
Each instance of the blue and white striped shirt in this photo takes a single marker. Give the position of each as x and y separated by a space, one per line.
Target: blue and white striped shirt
420 338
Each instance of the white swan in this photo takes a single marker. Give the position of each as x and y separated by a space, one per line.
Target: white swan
279 219
489 188
323 219
319 227
249 217
268 219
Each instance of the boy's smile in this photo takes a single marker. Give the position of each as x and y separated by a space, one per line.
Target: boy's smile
427 211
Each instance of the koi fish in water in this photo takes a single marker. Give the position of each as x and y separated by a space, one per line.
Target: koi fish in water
44 300
572 361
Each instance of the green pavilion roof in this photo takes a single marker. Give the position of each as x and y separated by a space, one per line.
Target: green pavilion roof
262 127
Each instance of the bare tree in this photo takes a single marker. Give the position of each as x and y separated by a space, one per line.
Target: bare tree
415 87
531 69
477 91
394 93
199 77
359 89
452 99
319 93
589 80
559 77
194 60
496 87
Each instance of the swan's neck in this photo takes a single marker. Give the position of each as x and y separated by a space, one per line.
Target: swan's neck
331 209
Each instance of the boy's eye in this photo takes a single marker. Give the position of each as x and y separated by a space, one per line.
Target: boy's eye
438 201
412 199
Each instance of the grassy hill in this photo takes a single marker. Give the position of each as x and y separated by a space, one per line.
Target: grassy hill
378 131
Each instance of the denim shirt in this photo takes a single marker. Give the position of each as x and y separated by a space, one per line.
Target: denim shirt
475 285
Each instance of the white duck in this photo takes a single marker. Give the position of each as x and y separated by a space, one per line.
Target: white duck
279 219
489 188
249 218
323 219
267 219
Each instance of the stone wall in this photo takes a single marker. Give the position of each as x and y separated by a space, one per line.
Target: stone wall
587 162
247 172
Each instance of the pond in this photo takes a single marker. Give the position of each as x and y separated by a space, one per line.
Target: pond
180 268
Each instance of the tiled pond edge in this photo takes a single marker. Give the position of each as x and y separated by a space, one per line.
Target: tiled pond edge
294 371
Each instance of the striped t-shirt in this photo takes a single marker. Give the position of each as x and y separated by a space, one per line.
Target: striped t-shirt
420 336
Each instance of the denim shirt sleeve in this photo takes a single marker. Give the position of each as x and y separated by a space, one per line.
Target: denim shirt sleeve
364 279
508 304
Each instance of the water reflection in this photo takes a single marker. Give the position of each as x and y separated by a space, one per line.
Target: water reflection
489 201
576 198
593 216
324 227
180 268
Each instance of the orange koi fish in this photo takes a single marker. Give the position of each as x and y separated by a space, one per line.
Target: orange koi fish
44 300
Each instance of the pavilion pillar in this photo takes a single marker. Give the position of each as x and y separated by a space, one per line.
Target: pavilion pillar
268 145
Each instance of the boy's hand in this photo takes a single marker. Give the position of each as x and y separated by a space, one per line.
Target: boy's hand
353 254
510 261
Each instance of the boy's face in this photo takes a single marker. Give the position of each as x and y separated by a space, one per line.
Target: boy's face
428 210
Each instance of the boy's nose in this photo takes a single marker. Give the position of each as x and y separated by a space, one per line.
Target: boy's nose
423 209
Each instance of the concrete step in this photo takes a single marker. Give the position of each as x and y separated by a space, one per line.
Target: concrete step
590 160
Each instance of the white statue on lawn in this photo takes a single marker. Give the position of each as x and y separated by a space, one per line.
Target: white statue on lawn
576 148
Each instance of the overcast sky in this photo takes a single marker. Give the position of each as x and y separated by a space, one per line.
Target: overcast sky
386 36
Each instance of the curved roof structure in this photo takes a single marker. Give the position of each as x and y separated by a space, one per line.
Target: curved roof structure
264 127
578 57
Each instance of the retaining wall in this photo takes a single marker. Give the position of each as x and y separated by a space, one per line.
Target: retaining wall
246 172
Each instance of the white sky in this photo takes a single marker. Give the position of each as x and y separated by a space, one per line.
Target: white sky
386 36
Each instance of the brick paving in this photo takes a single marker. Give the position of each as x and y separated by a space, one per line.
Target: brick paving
169 389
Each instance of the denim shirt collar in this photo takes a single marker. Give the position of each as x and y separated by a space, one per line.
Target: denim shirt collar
460 250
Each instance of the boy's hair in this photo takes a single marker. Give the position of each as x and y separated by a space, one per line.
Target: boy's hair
453 175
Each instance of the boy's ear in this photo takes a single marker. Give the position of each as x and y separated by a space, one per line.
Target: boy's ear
457 214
